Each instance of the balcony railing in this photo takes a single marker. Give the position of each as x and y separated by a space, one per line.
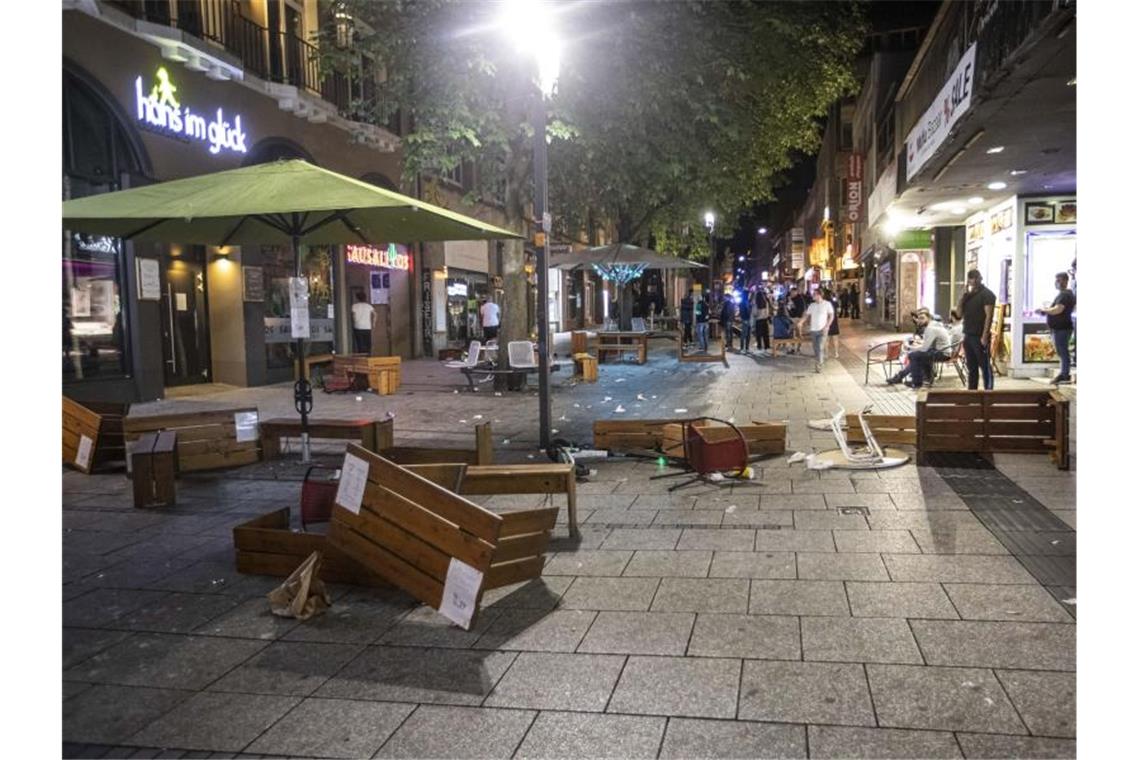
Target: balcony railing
271 55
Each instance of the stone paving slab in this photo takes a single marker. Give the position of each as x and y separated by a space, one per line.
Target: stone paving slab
872 743
799 597
104 714
1047 702
761 637
948 699
956 569
556 735
840 567
288 668
458 732
976 601
660 564
993 746
758 564
639 633
579 682
692 737
164 661
537 630
332 728
805 692
683 686
859 639
215 722
610 594
702 595
1031 646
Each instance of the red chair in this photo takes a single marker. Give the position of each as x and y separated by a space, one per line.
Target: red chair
891 356
317 497
710 448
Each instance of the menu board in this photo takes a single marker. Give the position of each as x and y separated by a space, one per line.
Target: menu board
1037 344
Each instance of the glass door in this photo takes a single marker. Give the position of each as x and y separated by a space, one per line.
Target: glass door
185 329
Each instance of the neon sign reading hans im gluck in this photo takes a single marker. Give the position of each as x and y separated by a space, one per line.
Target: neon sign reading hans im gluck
388 258
160 110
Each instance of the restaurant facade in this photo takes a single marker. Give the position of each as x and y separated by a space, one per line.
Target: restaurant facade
184 94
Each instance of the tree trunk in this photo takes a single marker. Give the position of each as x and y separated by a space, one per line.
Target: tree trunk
514 324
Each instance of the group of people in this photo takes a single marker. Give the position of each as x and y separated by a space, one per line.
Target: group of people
767 314
970 325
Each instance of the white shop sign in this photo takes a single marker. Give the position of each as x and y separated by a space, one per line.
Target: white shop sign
952 101
160 110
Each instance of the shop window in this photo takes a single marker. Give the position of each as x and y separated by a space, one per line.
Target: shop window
464 293
317 268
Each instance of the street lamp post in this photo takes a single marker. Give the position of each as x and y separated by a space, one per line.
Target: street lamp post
710 222
530 24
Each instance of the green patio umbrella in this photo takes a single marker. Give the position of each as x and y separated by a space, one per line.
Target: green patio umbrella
285 202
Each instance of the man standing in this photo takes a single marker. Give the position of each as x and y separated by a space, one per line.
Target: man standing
701 311
853 298
760 310
796 305
844 301
920 361
363 318
977 309
1059 318
820 314
745 308
489 314
727 315
687 317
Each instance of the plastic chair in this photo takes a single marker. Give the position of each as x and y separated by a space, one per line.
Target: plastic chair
317 497
472 359
709 449
890 357
520 355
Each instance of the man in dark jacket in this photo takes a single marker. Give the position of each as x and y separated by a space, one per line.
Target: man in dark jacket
797 304
977 309
727 314
701 314
745 308
687 317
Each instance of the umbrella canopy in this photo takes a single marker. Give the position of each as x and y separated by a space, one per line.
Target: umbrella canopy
284 202
618 254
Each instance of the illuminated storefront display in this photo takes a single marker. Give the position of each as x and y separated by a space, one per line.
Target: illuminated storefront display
392 257
161 111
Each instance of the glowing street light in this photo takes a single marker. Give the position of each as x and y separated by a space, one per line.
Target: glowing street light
529 23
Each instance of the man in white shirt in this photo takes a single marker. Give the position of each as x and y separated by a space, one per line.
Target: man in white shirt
819 315
363 318
489 315
920 361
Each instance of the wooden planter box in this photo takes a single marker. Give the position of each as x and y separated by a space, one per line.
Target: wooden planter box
207 440
1035 422
101 424
665 436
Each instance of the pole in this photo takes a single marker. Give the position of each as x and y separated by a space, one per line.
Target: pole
302 390
540 200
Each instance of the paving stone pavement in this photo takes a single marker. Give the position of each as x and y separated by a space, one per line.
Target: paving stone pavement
804 615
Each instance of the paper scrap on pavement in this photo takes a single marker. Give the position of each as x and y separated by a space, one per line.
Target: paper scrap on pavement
619 408
83 453
477 417
641 397
607 398
680 411
353 479
799 456
246 425
460 592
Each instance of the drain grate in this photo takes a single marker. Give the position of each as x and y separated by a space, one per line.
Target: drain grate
865 511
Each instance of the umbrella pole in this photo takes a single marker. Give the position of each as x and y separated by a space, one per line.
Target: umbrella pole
302 390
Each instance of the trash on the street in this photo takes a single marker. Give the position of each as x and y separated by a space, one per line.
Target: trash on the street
799 456
477 417
360 398
303 593
619 408
680 411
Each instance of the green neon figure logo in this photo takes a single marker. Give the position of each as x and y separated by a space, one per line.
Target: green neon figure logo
163 92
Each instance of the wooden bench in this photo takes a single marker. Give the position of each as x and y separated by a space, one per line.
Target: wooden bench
586 367
549 479
153 464
93 434
383 372
207 440
665 436
482 454
622 343
313 361
433 543
272 431
698 357
993 421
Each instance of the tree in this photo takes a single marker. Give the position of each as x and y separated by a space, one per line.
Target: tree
663 108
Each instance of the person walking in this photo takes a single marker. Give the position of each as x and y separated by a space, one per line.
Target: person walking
761 306
701 314
796 306
745 311
818 317
363 318
853 297
687 317
1059 318
844 301
833 329
489 314
727 314
976 307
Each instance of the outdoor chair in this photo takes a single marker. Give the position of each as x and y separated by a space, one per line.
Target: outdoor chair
520 355
317 497
472 357
892 354
954 358
709 449
638 325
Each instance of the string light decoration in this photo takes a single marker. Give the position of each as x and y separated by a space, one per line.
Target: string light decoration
619 273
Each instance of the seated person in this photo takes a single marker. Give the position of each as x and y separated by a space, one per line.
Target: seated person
782 327
920 360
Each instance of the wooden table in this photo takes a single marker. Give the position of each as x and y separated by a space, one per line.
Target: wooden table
383 372
621 342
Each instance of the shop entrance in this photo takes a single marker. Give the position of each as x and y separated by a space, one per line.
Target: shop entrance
185 329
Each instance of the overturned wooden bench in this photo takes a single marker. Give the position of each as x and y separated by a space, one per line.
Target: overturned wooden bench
364 431
503 479
93 434
207 440
1009 421
482 454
